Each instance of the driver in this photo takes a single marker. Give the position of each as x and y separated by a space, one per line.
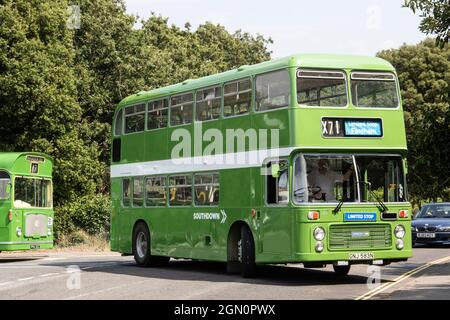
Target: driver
324 178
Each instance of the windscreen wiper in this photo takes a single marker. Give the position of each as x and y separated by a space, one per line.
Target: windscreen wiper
338 207
381 207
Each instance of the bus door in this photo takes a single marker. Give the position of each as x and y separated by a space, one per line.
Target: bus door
5 199
276 217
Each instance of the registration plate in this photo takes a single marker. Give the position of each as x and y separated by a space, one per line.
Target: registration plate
361 256
426 235
35 246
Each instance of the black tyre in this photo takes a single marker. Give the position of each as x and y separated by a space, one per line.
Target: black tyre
246 248
341 271
142 248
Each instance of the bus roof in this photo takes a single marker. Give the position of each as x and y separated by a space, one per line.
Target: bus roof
327 61
8 159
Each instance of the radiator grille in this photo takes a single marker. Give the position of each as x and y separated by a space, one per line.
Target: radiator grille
367 236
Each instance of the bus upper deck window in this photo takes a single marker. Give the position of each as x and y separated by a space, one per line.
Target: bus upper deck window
135 118
237 98
272 90
118 123
321 88
208 104
374 90
158 112
181 107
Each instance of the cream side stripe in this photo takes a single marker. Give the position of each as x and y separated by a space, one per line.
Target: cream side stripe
246 159
210 163
401 278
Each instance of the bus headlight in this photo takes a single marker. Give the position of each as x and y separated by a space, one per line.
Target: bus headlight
319 247
400 244
19 231
319 234
399 232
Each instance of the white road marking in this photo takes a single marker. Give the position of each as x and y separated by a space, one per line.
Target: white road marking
401 278
48 275
6 283
102 291
52 259
26 279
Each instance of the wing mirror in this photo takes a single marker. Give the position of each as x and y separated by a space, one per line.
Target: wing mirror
8 189
275 167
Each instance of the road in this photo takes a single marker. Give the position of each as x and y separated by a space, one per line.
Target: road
111 276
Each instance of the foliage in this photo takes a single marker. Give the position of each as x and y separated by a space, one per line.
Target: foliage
436 17
90 213
424 74
38 94
59 86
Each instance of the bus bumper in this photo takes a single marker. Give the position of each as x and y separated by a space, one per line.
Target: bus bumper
26 245
381 257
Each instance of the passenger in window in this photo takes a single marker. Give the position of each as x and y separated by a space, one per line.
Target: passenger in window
322 180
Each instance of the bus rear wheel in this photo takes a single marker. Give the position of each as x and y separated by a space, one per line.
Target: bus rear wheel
341 271
246 253
142 248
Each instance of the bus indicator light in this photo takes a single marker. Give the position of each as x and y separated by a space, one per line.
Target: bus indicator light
313 215
253 213
403 213
319 247
10 215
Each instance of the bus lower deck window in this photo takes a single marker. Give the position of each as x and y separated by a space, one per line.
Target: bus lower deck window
180 190
206 189
155 188
126 192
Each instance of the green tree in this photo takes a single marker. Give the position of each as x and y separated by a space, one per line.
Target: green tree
59 85
436 17
424 74
184 54
39 108
37 81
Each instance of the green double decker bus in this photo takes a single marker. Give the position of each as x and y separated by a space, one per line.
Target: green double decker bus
296 160
26 207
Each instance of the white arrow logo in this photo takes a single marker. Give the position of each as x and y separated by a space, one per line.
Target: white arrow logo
224 216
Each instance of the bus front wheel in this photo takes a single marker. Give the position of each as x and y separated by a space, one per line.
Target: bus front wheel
142 248
341 270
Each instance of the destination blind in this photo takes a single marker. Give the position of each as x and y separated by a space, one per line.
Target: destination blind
351 127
